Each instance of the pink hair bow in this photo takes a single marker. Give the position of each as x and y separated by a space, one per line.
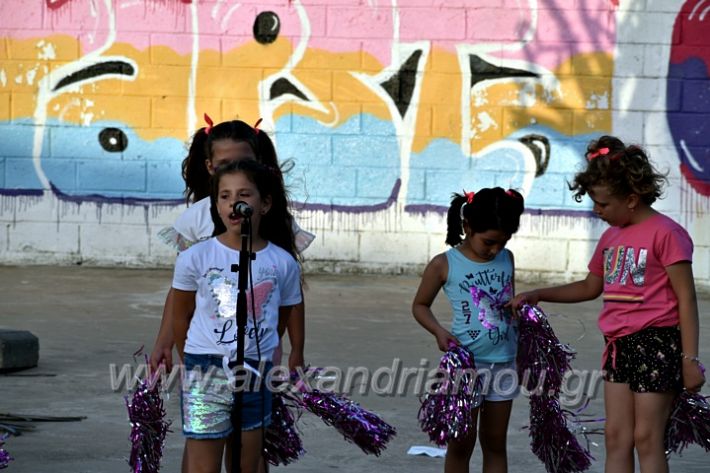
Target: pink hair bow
210 124
256 125
597 153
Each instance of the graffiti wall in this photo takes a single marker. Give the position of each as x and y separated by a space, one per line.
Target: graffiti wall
381 108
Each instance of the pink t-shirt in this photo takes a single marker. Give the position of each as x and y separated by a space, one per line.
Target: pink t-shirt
632 261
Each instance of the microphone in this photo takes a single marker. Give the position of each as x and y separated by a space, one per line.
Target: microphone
242 209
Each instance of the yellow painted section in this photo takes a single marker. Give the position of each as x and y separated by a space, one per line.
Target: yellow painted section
3 49
4 105
50 49
155 103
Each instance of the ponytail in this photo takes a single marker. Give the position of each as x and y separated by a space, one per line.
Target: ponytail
454 223
194 171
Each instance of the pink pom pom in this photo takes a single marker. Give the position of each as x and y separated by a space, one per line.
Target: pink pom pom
359 426
282 445
689 423
5 457
445 414
148 427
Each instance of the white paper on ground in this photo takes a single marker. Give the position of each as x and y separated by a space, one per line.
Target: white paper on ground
428 451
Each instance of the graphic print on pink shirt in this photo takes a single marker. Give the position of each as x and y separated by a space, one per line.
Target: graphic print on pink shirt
622 266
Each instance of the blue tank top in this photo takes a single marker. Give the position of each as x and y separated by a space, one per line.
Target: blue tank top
495 339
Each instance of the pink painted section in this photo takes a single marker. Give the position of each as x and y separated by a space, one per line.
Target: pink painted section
559 33
336 26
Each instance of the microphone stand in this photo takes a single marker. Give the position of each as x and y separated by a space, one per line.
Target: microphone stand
243 269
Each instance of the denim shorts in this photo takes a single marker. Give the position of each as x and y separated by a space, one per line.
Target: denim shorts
207 398
499 381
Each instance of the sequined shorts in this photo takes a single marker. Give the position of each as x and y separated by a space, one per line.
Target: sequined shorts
207 398
648 360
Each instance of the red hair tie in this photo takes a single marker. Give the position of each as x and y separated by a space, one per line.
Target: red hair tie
469 199
256 126
512 194
210 124
597 153
469 196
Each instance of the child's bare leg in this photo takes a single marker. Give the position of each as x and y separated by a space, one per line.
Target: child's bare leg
251 451
493 435
651 411
619 428
458 452
204 456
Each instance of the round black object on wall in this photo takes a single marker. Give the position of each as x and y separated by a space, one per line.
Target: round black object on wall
266 27
113 140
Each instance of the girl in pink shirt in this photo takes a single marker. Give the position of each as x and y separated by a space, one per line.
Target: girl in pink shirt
642 265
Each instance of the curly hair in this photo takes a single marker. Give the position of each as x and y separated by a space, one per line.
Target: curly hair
625 170
276 225
490 209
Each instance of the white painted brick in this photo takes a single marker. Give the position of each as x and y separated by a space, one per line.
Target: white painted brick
628 125
40 238
540 255
700 230
664 5
329 245
108 242
393 247
579 254
645 28
437 244
428 222
567 227
630 62
701 265
314 221
655 61
28 208
655 130
4 238
636 93
632 5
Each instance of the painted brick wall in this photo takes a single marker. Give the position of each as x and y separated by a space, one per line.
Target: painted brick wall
382 108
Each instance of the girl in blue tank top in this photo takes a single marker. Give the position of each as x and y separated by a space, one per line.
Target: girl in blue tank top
477 275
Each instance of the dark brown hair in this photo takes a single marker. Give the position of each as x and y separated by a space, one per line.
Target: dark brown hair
491 209
625 170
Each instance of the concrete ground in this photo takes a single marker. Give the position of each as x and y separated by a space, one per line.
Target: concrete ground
87 319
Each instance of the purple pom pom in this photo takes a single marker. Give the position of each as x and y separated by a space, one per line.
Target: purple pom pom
148 427
5 457
542 359
282 445
689 423
552 441
445 414
360 426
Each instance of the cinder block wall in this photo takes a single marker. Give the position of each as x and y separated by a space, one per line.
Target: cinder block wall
382 109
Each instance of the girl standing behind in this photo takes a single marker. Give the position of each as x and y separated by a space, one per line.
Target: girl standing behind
642 264
478 264
204 313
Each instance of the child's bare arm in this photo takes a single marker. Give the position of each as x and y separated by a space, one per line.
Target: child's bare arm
433 279
294 317
183 308
587 289
163 349
681 278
